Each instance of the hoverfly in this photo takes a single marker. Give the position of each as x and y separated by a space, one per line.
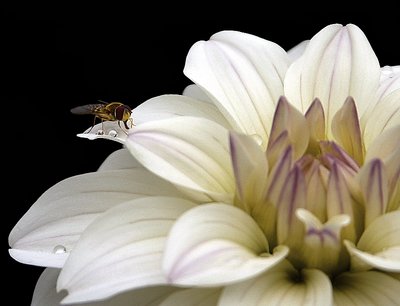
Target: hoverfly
112 111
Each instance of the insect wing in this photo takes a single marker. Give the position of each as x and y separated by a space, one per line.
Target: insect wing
88 109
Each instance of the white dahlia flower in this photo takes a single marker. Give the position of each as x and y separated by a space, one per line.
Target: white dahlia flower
273 180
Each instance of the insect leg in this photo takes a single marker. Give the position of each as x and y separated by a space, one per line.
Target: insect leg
94 123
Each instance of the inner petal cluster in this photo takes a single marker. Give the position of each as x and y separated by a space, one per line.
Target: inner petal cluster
305 190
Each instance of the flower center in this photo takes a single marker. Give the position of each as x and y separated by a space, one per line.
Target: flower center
308 198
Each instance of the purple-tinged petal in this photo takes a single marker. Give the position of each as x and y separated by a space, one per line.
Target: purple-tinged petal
316 176
316 124
339 202
346 130
321 246
287 118
338 62
277 148
266 211
250 168
331 149
293 196
217 244
374 188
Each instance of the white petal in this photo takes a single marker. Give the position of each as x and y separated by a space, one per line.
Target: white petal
379 245
366 288
188 151
215 244
321 247
121 250
243 74
385 115
288 119
346 130
281 286
298 50
251 170
374 186
62 213
46 294
384 146
169 106
389 72
337 63
197 93
41 258
118 160
193 297
110 130
390 81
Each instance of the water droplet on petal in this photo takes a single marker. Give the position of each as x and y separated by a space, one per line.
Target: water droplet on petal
257 138
59 249
100 132
112 133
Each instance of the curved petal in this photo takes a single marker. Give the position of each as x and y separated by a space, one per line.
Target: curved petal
384 146
110 130
288 119
374 186
251 171
45 290
339 201
347 132
121 250
193 297
169 106
216 244
384 115
297 51
321 248
379 245
188 151
118 160
282 285
315 117
49 230
390 81
338 62
195 92
366 288
243 74
45 294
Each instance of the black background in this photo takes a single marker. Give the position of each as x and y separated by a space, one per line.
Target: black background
50 65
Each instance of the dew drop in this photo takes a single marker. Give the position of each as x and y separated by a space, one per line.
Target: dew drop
59 249
112 133
100 132
257 138
387 71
